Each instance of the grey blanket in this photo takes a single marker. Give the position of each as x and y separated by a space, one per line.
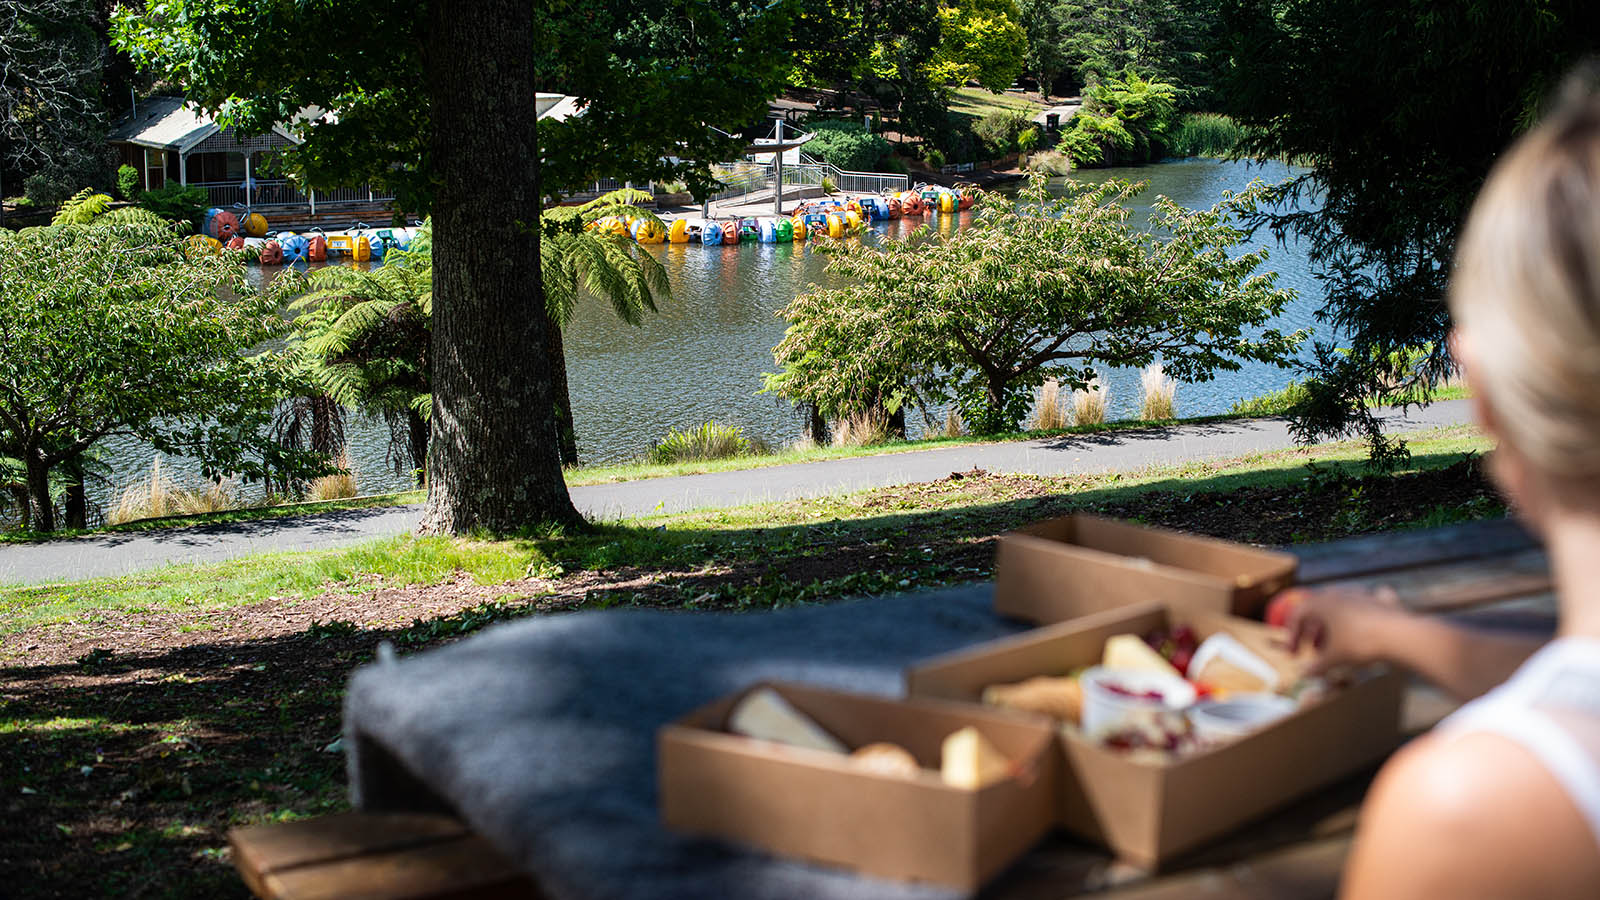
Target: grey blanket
540 734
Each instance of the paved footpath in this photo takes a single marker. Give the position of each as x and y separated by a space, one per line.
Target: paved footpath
94 556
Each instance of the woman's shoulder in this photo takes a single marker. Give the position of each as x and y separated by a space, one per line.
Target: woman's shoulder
1470 815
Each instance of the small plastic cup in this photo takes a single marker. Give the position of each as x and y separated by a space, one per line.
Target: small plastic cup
1216 721
1113 696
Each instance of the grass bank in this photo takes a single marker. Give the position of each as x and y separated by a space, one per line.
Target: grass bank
142 717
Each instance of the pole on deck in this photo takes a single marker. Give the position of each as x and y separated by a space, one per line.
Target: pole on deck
777 168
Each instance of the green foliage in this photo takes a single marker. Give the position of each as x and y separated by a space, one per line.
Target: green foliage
934 157
578 260
1028 140
1274 403
82 208
363 339
847 144
979 40
177 203
1444 88
999 130
1170 40
1126 121
52 121
1204 134
110 330
127 182
703 442
1046 24
1051 287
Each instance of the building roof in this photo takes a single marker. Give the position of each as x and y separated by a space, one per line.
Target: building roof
556 107
172 123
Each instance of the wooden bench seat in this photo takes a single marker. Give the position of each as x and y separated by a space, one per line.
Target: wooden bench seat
373 856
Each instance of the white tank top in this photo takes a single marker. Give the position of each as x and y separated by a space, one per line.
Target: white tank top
1551 707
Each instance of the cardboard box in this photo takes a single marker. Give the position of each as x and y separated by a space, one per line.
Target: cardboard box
821 806
1060 569
1149 812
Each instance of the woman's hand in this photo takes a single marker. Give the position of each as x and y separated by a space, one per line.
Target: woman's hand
1345 625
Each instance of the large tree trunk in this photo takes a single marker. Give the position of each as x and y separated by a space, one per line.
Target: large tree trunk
566 431
41 515
494 458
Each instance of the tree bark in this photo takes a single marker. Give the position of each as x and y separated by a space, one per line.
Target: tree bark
41 515
494 459
566 430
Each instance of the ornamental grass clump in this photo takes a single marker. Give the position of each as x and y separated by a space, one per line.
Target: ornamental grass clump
951 427
158 496
864 428
1049 413
1089 404
340 485
703 442
1160 393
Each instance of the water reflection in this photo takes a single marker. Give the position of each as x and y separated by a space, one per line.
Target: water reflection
703 356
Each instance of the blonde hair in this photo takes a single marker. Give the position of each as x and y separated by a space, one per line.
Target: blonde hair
1526 293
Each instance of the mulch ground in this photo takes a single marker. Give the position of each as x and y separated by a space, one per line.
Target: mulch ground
131 743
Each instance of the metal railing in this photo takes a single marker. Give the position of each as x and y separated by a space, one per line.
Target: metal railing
281 193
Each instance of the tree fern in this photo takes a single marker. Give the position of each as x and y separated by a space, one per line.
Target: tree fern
82 208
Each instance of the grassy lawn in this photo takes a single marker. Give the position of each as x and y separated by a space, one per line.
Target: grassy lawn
141 717
976 102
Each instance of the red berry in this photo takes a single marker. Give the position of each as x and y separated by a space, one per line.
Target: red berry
1184 636
1182 658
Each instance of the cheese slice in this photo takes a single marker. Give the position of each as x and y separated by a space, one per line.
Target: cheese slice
764 715
969 761
1129 651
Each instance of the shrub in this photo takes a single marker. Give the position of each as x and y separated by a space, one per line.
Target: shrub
127 182
1028 140
50 187
1160 392
177 203
847 144
1048 412
827 185
1053 163
999 128
707 441
1204 134
1089 405
934 158
1276 403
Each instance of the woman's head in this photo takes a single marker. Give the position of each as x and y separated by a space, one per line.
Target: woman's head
1526 300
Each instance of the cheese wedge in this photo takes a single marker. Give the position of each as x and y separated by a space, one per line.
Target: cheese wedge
969 761
1221 675
1061 698
1129 651
764 715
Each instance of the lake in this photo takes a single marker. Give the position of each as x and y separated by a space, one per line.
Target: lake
703 356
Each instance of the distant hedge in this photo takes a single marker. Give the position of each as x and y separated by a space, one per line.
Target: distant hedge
847 144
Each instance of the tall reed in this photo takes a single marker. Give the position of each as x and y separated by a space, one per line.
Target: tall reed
1089 404
1204 134
951 427
1160 394
1049 413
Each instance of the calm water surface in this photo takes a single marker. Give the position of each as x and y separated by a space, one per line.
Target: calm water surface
703 356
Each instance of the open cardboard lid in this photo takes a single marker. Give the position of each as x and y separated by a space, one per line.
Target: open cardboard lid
1238 565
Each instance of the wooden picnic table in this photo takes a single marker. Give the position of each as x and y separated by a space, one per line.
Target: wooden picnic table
1485 571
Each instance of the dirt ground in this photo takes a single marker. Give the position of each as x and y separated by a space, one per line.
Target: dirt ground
132 742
